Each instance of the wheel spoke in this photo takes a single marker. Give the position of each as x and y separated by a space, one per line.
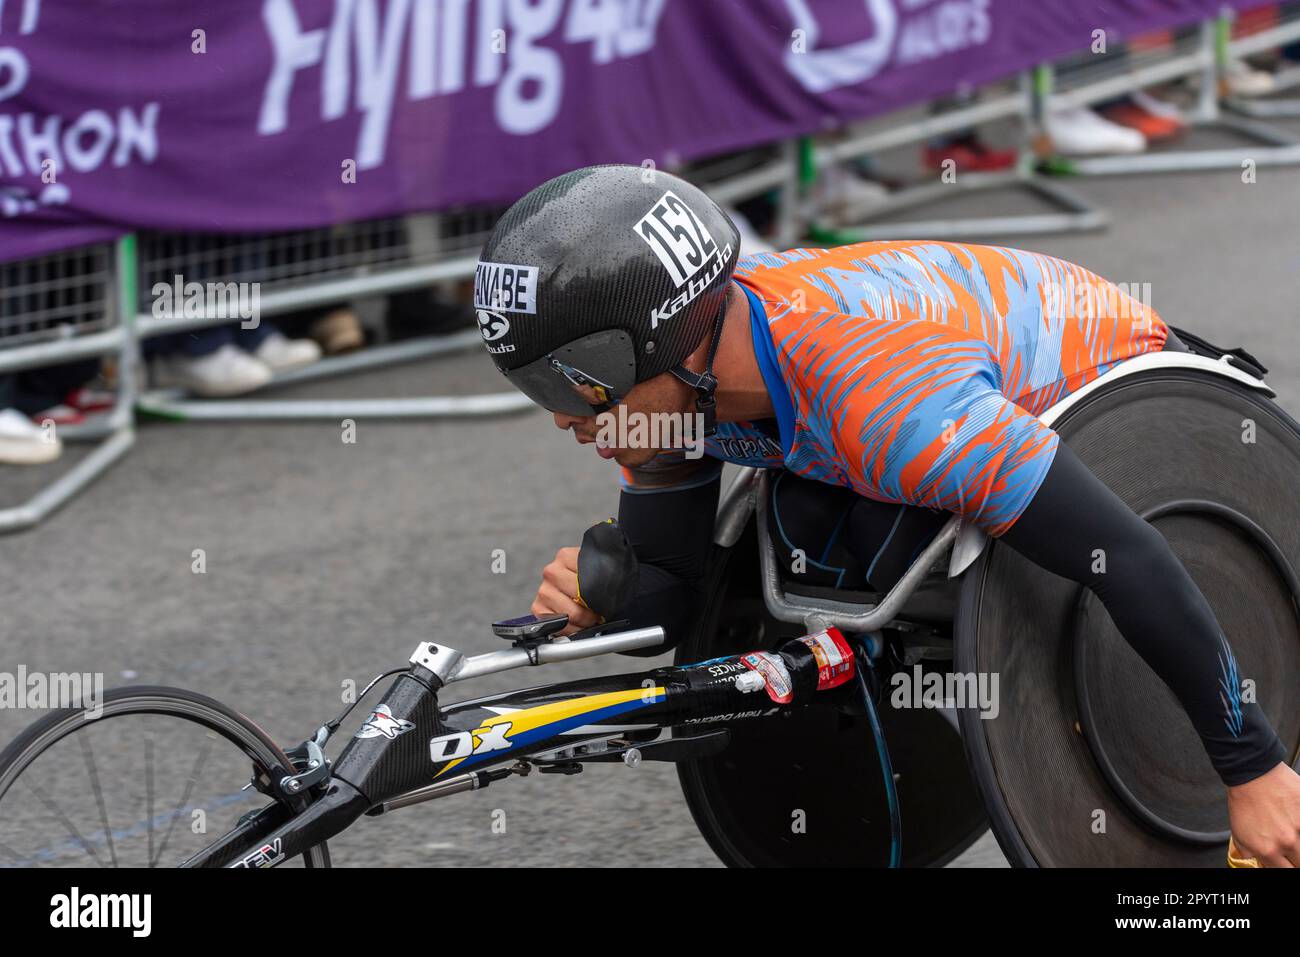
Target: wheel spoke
63 818
93 770
200 761
148 792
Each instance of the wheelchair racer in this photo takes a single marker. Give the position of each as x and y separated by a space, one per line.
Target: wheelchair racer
910 373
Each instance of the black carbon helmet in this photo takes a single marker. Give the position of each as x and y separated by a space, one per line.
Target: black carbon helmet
602 278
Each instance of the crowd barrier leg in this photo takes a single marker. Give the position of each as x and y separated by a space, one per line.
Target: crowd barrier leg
117 432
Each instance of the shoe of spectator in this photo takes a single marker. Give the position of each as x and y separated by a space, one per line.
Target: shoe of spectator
970 154
840 194
89 401
62 414
339 330
22 443
1242 79
280 353
1081 132
227 371
1136 116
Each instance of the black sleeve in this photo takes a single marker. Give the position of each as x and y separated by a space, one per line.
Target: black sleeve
671 531
1155 604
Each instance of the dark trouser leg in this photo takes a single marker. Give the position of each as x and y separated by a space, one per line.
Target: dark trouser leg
1072 523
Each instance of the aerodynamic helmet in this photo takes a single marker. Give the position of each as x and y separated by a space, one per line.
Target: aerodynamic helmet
602 278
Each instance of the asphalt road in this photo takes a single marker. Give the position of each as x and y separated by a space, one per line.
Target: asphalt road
328 561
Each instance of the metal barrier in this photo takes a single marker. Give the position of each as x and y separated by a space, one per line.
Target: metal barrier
1074 213
1202 55
320 267
1286 31
60 308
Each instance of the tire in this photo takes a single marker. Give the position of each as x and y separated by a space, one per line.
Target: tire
151 700
1087 735
818 761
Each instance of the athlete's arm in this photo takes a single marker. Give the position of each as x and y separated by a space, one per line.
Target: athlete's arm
671 530
666 510
949 439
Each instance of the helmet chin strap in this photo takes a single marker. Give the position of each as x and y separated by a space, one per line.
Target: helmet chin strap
705 384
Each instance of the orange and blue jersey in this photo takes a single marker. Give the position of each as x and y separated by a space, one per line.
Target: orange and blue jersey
915 372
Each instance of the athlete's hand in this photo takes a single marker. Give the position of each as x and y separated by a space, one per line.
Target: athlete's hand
556 594
1265 817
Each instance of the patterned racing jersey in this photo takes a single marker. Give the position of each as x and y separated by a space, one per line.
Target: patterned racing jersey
914 372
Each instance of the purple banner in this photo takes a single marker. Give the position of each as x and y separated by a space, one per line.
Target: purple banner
257 115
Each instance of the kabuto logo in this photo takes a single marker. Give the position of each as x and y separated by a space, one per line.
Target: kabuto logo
501 287
381 723
670 307
493 325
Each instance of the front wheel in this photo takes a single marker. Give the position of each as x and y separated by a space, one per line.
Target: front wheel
149 779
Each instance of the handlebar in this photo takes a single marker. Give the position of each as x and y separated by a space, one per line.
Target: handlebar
450 665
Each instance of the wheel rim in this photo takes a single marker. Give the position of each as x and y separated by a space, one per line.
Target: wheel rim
183 801
1061 779
1144 778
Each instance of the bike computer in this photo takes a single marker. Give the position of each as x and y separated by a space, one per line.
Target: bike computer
528 627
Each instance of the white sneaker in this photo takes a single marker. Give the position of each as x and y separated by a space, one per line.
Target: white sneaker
841 195
24 443
1081 132
280 353
1242 79
225 372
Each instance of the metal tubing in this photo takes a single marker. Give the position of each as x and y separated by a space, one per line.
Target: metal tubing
221 410
849 617
554 651
61 490
322 293
62 350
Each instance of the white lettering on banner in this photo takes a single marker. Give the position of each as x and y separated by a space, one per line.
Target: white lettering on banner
951 26
903 32
33 144
449 44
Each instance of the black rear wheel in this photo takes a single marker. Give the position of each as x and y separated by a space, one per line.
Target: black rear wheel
805 788
1091 761
156 777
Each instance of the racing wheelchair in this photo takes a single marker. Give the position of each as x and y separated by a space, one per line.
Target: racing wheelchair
771 710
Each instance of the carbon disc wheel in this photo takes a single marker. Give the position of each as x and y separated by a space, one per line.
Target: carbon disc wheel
804 789
1091 761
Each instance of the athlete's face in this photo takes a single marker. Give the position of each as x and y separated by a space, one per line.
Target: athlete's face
616 434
